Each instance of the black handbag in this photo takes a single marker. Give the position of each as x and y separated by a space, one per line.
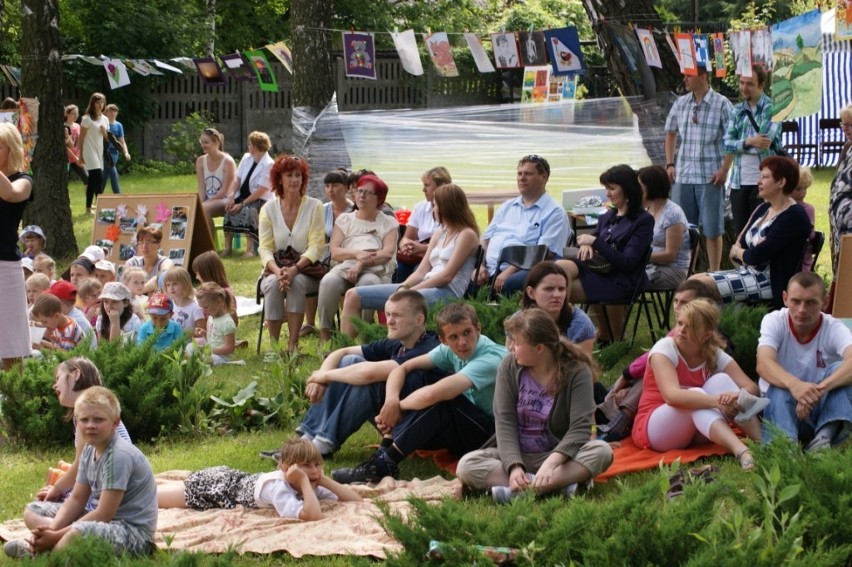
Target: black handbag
289 257
597 263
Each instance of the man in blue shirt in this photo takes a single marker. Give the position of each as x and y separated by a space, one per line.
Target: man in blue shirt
454 413
349 388
531 218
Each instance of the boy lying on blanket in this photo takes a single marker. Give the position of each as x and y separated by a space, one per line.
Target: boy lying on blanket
294 489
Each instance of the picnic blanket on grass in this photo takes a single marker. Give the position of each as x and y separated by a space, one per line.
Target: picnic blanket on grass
347 528
629 458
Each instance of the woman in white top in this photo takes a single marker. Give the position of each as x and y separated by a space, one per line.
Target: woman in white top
671 252
421 225
290 220
93 132
215 171
363 247
446 268
248 193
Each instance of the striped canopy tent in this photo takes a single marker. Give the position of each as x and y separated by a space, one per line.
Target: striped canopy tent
836 93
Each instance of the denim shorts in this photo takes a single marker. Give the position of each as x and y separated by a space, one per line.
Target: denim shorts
704 205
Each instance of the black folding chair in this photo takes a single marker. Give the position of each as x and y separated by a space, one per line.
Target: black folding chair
521 257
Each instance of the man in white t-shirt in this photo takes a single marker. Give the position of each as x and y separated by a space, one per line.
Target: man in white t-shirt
805 356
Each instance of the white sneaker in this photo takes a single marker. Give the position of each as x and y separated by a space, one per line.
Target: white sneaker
502 494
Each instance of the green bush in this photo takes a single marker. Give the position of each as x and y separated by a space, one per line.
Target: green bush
182 143
741 324
160 394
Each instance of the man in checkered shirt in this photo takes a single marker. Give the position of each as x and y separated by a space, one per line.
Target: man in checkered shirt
700 118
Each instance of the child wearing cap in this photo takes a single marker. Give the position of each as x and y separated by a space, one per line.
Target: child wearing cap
33 239
67 298
160 323
62 333
117 318
105 271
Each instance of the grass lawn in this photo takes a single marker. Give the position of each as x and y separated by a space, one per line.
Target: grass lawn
22 471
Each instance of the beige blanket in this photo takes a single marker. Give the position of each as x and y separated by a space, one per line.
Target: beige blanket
347 528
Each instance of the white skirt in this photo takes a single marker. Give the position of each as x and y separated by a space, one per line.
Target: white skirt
14 332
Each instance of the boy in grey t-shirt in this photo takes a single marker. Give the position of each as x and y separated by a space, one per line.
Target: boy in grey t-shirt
115 474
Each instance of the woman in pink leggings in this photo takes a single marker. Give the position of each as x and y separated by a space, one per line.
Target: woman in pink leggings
693 389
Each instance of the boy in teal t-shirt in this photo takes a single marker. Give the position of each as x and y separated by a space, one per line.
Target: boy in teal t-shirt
453 413
160 309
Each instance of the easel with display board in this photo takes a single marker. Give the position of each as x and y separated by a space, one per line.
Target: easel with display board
179 216
842 308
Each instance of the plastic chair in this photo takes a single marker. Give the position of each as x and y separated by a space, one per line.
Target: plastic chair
798 150
827 146
521 257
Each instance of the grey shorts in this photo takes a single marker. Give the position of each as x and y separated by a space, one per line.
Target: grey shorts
124 537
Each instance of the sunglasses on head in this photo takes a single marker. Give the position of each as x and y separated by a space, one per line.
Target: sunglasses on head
535 158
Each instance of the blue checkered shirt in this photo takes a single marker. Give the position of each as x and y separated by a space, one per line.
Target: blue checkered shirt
701 149
740 128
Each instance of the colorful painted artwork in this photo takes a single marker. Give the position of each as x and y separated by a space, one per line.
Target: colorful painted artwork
702 52
649 48
563 48
686 47
406 46
483 63
536 83
533 51
438 46
116 72
797 78
718 41
263 70
506 54
282 53
843 19
359 55
210 71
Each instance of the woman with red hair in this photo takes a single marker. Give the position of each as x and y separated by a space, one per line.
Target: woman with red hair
290 220
363 249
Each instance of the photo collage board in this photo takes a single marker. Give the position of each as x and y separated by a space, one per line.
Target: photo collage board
179 216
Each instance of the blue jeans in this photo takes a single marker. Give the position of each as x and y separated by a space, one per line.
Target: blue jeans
835 405
514 283
375 296
112 174
343 409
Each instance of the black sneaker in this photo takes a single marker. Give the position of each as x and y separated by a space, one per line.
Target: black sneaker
617 429
373 469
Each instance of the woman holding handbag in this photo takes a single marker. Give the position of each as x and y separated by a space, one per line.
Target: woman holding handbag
363 249
290 225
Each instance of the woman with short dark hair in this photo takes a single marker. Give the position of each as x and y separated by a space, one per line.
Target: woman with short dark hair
769 249
670 253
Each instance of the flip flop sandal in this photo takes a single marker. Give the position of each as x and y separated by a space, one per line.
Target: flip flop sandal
706 473
747 464
306 330
675 486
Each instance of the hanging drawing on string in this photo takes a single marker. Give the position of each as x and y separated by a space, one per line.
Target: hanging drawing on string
702 52
532 48
741 45
843 19
563 49
483 63
282 53
686 48
438 46
359 55
506 54
649 48
116 72
761 49
406 47
263 70
210 71
238 67
797 78
719 54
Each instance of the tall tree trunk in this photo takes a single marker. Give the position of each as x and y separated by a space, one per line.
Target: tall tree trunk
210 25
317 135
654 85
41 78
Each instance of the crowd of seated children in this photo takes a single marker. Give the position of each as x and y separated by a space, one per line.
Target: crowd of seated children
160 323
62 332
44 264
67 298
177 284
220 334
105 271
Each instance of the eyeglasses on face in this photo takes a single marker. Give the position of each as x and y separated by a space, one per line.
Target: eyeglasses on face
365 192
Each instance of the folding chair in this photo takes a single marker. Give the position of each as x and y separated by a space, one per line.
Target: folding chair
258 298
816 247
798 149
521 257
635 297
831 139
660 300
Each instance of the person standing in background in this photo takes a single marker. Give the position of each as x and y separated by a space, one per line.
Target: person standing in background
93 132
117 131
